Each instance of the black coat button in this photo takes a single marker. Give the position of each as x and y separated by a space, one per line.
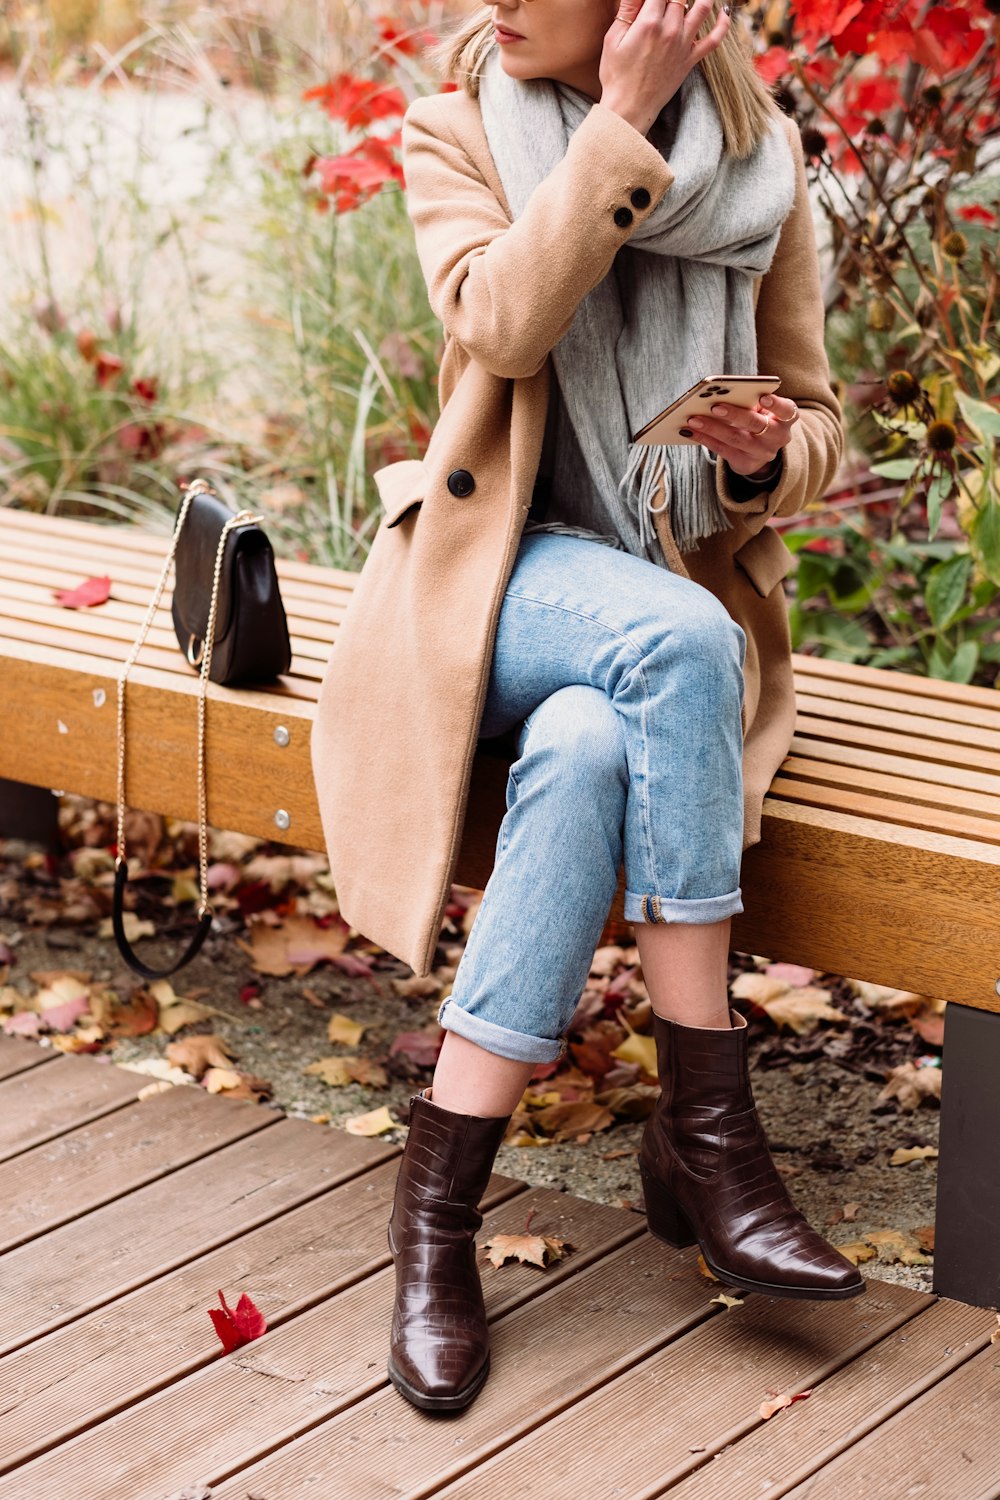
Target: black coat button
623 217
640 198
461 482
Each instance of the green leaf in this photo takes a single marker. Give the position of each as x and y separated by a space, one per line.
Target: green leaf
980 416
938 491
986 538
895 468
944 592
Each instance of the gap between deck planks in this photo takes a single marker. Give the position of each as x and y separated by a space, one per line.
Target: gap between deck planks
614 1373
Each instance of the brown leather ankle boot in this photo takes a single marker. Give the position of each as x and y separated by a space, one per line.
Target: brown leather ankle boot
709 1179
439 1348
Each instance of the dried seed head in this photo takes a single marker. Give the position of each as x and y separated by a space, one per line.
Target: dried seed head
941 437
955 245
903 387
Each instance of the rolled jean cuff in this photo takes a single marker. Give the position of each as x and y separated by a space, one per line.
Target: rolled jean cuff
519 1045
665 909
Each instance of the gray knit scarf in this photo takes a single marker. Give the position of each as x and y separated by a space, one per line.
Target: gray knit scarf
658 321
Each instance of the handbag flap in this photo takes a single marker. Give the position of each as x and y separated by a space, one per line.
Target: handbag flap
194 564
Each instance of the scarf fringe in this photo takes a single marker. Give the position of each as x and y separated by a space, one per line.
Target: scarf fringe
695 509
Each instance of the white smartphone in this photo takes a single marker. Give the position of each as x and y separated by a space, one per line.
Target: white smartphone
736 390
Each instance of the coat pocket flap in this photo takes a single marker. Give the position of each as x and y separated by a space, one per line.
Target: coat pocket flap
400 485
765 558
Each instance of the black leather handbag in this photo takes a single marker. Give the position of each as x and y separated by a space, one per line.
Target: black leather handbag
230 624
251 633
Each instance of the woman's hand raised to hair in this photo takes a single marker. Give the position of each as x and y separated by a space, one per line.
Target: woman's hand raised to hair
649 49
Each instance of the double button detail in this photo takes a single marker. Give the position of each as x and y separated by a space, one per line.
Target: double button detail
624 216
461 482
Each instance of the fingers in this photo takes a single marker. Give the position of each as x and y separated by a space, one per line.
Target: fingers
738 432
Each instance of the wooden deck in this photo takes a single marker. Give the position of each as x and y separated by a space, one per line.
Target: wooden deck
613 1373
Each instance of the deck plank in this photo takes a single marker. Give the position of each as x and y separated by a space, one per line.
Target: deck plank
71 1092
944 1443
142 1341
324 1359
155 1229
701 1393
17 1055
57 1182
786 1449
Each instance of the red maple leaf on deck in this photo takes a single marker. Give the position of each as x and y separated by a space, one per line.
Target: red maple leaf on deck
238 1327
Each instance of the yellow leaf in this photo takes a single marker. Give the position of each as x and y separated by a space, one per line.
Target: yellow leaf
638 1049
758 987
904 1154
219 1080
896 1245
332 1070
184 1013
375 1122
342 1029
703 1268
857 1250
529 1249
134 928
726 1300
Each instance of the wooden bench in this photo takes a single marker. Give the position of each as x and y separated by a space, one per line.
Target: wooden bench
880 856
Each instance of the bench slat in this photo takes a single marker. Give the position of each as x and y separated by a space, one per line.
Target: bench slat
138 540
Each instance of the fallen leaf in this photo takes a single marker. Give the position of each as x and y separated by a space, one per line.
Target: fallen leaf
795 975
768 1408
757 987
703 1268
420 1047
342 1029
365 1071
924 1237
182 1013
332 1070
137 1016
802 1010
726 1300
135 928
911 1085
92 591
374 1122
903 1154
896 1245
196 1054
22 1023
857 1250
425 988
237 1326
995 1335
530 1249
221 1080
294 947
563 1121
158 1068
641 1050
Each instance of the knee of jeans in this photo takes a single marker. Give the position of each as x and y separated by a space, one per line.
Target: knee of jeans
580 727
712 637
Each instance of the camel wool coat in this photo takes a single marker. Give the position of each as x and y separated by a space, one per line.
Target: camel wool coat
401 701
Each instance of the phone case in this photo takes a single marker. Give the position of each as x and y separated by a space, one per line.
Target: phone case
737 390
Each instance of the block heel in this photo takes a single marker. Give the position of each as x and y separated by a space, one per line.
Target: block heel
664 1215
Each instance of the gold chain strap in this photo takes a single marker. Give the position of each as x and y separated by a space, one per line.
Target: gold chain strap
242 518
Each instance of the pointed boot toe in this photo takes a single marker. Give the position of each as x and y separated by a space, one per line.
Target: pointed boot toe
708 1175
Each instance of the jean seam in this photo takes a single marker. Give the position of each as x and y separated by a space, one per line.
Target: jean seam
580 615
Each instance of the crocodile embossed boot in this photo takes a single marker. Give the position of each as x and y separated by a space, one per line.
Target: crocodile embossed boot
708 1176
439 1346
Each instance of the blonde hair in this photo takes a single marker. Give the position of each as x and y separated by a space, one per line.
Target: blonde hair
744 102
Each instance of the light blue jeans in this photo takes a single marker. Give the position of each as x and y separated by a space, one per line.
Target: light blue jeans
626 682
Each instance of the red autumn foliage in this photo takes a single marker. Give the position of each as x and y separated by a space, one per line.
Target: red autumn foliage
238 1326
92 591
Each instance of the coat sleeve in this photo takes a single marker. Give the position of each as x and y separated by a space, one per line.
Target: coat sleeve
791 325
508 291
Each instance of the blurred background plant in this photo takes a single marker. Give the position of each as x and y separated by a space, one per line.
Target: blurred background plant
245 300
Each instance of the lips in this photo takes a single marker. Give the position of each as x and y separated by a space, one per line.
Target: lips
503 31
